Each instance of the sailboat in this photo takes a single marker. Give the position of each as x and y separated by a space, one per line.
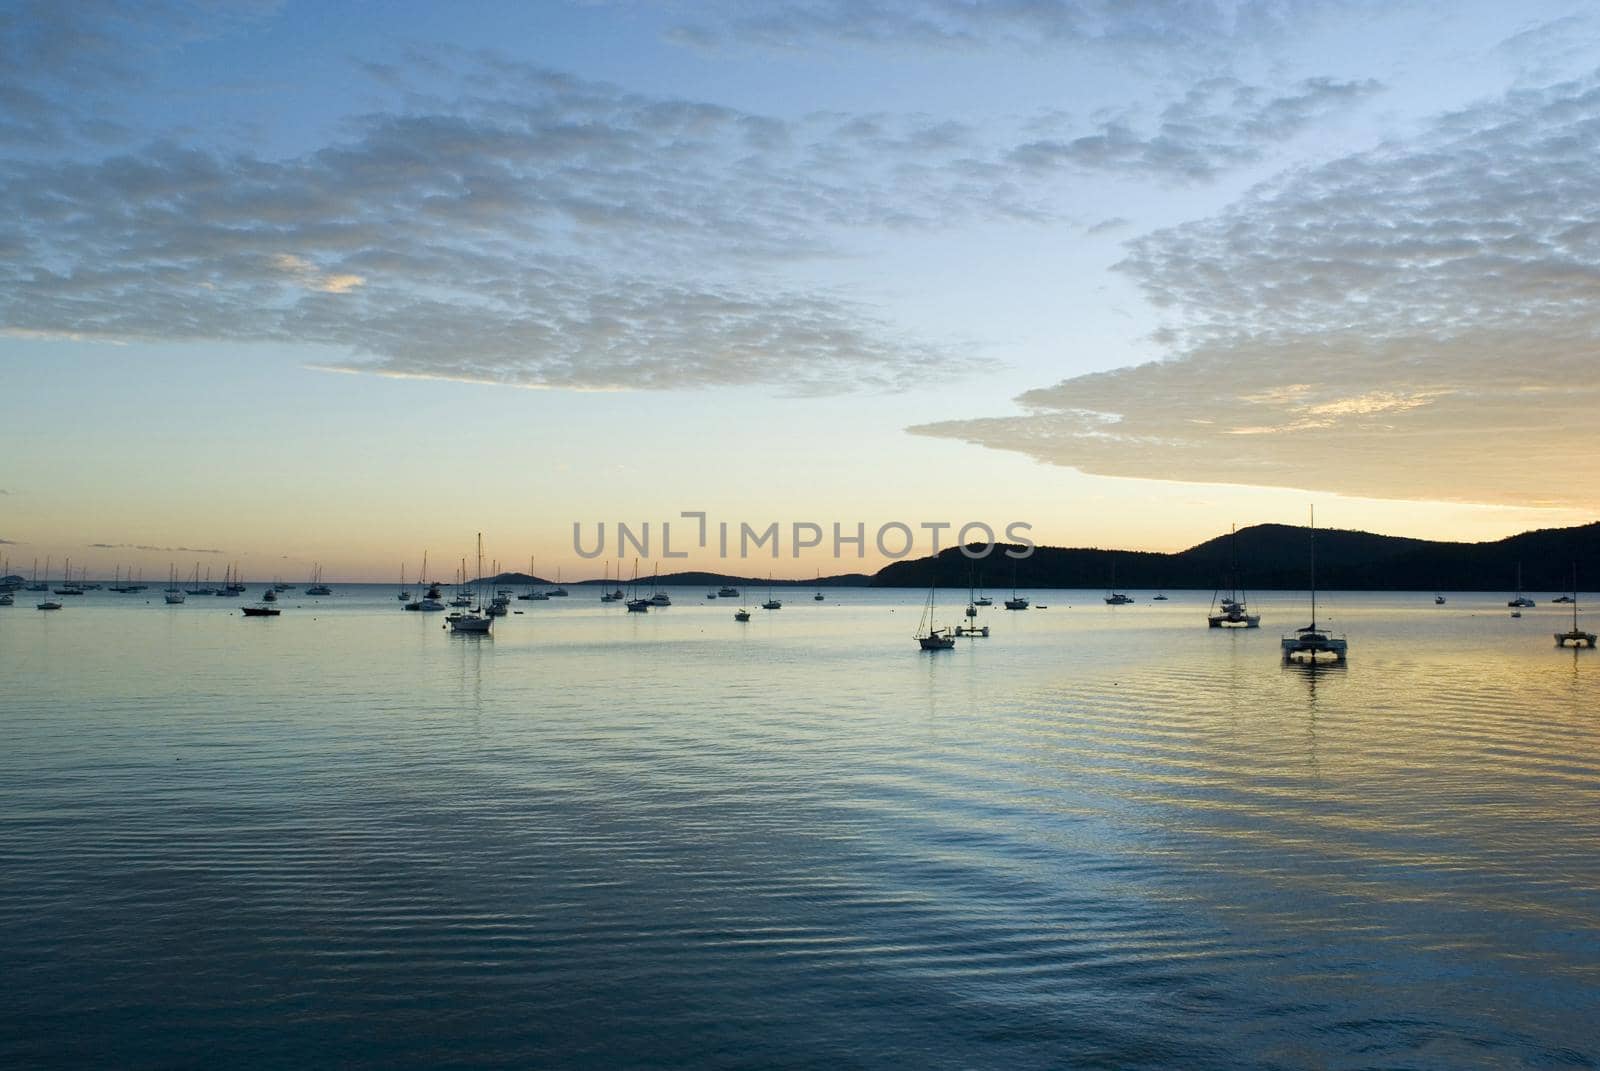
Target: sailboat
1312 643
1233 612
174 594
463 596
608 596
404 595
317 586
530 594
40 585
658 598
1521 600
472 620
636 605
929 636
558 591
972 628
67 586
1016 602
771 603
1113 596
1577 637
818 597
194 587
430 595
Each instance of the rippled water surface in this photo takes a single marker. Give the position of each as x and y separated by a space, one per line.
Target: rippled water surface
1102 837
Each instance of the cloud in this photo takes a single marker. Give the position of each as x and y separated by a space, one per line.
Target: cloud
1546 49
1196 29
10 542
1415 321
1220 123
536 229
65 68
143 546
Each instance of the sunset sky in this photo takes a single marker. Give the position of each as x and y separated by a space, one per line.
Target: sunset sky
284 283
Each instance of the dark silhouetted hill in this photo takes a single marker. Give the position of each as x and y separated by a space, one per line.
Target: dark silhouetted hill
1277 556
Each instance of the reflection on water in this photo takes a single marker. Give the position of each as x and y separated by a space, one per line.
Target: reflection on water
1103 836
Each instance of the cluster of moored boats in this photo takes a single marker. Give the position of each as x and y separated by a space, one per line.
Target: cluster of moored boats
1309 643
471 612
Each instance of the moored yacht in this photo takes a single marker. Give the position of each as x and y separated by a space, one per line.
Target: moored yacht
317 586
1575 636
1232 611
931 637
1310 643
635 604
473 620
1519 600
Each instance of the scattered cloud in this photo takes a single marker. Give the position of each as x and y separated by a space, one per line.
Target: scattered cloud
144 546
536 229
1203 28
10 542
65 67
1415 321
1545 50
1220 123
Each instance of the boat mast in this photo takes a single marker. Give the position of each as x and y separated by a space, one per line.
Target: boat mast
1233 568
1313 568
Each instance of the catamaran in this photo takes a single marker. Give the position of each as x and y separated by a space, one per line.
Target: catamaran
1311 644
1576 636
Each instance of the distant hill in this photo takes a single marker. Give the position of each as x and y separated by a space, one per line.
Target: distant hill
692 579
1277 556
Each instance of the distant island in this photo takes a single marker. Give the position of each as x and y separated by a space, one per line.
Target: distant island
1271 557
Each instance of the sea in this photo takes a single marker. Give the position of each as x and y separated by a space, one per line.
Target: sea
1100 837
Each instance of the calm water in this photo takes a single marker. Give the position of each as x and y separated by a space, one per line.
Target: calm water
1103 837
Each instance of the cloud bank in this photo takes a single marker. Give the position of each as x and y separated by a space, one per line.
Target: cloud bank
1417 321
1199 27
534 229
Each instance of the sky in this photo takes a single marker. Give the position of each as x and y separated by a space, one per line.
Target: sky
288 283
